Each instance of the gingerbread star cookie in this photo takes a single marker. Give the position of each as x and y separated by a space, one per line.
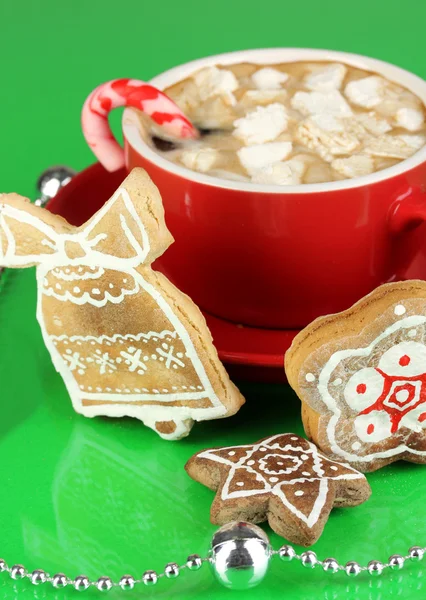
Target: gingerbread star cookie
125 340
282 479
361 376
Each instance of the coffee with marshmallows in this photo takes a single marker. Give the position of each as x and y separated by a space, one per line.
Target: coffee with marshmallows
292 123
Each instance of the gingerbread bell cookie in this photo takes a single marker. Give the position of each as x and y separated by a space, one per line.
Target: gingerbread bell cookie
361 376
282 479
124 339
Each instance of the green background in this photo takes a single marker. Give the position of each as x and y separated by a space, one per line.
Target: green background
108 496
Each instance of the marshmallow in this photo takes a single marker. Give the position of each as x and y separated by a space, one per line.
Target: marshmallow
318 172
199 159
261 155
330 103
395 146
262 125
214 113
366 92
354 166
415 142
409 118
327 122
329 78
212 81
372 124
186 96
280 173
325 142
268 79
263 96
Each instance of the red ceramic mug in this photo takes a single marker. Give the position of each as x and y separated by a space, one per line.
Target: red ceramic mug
279 256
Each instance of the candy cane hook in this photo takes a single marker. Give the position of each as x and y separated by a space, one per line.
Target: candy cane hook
128 92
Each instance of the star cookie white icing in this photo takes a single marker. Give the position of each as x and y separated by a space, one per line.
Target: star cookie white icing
285 466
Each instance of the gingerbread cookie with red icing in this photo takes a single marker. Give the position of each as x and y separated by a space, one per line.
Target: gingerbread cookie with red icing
282 479
361 376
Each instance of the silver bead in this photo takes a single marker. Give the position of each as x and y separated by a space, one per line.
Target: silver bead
51 181
396 562
239 555
3 565
171 570
309 559
59 581
286 553
17 572
375 567
104 584
150 578
352 569
416 553
194 562
38 576
330 565
127 582
81 583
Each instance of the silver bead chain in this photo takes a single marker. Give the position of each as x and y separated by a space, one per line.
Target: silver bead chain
103 584
194 562
310 561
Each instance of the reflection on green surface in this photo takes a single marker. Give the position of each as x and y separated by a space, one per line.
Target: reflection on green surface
104 496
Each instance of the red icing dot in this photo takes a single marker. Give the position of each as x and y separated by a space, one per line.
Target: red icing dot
370 429
361 388
404 360
422 417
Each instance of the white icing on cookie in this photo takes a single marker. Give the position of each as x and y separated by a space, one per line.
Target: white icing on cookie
122 352
395 397
280 481
400 310
363 388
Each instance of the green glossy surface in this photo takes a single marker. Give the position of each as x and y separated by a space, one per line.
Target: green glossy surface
109 496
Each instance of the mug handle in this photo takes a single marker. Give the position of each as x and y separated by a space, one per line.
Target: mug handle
408 210
128 92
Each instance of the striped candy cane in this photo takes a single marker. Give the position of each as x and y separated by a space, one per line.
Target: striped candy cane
128 92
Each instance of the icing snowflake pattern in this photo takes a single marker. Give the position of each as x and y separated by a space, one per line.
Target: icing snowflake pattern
285 466
170 360
385 395
74 362
104 361
393 393
133 358
132 353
